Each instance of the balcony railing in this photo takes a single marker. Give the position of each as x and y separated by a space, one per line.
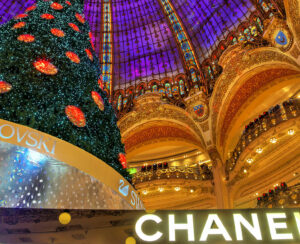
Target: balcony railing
280 113
280 197
174 173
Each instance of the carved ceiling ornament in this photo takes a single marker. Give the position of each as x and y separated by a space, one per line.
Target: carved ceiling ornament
197 106
292 8
278 34
149 108
237 69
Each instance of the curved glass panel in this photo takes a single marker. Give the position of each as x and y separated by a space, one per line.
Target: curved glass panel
29 179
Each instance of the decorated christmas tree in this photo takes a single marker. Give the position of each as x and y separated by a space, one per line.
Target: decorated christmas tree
50 80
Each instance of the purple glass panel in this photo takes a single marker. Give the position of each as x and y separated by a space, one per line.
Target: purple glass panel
209 21
144 47
10 8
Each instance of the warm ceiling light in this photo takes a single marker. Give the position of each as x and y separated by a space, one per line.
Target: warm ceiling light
273 140
160 189
259 150
245 171
177 188
249 160
145 192
291 132
192 190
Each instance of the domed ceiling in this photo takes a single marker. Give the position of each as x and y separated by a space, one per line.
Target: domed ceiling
146 38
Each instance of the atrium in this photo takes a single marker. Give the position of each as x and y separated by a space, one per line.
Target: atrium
155 104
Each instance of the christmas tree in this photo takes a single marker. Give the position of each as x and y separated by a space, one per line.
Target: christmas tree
50 80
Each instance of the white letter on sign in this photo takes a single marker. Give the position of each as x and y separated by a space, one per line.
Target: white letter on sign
239 220
189 226
218 231
141 234
297 218
273 226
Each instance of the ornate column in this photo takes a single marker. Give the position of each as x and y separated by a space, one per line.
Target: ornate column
220 187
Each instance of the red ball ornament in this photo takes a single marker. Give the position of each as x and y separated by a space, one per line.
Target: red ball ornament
56 6
79 18
74 27
20 16
90 35
33 7
67 2
47 16
57 32
75 115
26 38
4 87
73 57
122 160
44 66
98 100
100 83
19 25
89 54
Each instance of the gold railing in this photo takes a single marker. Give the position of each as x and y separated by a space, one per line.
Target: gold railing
280 197
173 173
280 113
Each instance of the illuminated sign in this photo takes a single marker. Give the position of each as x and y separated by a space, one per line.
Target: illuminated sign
135 201
32 139
220 226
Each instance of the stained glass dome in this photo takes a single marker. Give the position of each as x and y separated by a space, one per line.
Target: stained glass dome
143 40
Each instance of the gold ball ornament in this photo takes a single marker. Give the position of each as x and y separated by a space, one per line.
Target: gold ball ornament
130 240
64 218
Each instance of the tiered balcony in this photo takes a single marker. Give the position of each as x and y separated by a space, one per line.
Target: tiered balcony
174 172
279 114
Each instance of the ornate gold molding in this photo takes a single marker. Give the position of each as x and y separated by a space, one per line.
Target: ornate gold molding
239 67
148 109
292 8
